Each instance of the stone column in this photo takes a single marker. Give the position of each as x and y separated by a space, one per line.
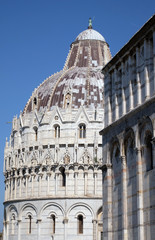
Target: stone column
140 217
19 227
11 185
40 174
138 78
154 57
8 180
26 182
32 184
39 228
66 188
48 182
15 190
95 182
75 181
130 86
65 221
146 76
124 200
85 181
56 181
109 112
94 229
107 201
123 90
20 183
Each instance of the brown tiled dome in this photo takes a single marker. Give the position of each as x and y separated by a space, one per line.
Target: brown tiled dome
81 80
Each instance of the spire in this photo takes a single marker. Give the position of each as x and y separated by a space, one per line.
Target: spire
90 24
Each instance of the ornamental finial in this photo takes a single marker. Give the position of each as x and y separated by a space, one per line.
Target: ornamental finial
90 24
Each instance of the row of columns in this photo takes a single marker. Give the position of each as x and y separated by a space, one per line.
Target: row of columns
108 195
11 184
112 111
65 221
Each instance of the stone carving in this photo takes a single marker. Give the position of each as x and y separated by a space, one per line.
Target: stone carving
86 159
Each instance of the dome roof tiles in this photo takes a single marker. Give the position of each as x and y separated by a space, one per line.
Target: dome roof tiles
80 82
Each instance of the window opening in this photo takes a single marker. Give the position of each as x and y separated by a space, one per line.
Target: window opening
35 101
148 154
63 177
53 223
36 134
80 224
29 224
57 131
82 131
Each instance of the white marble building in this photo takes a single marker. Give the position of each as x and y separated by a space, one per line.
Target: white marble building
53 180
129 140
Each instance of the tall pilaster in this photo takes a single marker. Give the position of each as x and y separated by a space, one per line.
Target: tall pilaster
124 200
39 228
140 217
130 85
67 176
138 78
146 76
123 90
75 180
107 201
95 182
19 227
94 229
85 181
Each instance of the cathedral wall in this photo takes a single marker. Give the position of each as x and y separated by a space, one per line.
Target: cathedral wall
129 176
129 77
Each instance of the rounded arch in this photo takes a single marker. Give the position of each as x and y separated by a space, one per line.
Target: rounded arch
129 140
11 209
91 168
48 205
81 204
56 130
26 206
114 149
82 130
145 125
146 135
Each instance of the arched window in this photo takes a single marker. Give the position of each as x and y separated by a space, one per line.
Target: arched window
63 177
29 224
80 224
35 101
82 131
53 223
148 152
67 100
57 131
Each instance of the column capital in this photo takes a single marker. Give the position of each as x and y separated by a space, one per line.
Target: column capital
106 166
123 159
138 150
94 221
65 220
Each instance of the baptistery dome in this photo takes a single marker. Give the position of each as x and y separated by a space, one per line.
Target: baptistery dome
52 161
80 83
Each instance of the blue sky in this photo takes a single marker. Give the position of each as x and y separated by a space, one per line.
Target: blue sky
35 36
